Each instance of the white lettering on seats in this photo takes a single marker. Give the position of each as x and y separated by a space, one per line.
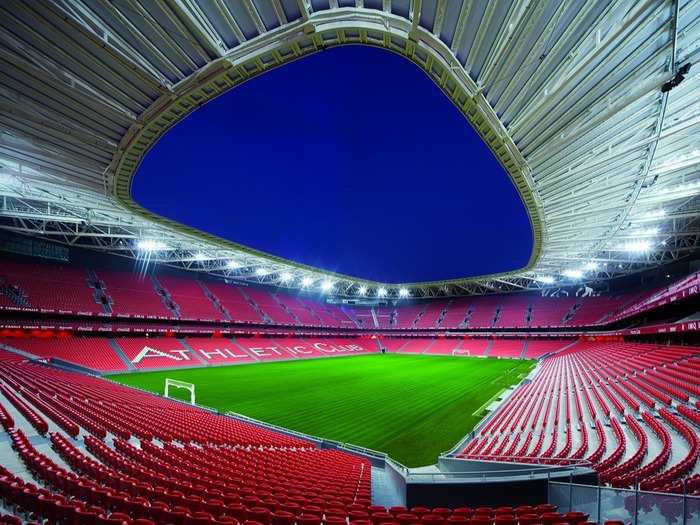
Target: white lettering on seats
297 350
330 349
224 352
147 351
261 351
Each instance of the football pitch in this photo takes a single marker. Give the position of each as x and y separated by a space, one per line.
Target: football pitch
412 407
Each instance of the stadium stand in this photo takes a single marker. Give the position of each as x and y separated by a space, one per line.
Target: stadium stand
458 312
48 286
416 346
102 292
164 352
300 312
362 317
485 310
589 109
10 357
407 316
95 353
130 294
514 313
551 311
537 348
473 347
270 307
432 315
195 476
512 348
631 384
329 315
443 346
234 303
218 350
386 317
189 296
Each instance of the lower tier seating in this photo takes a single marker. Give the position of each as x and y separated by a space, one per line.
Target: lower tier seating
91 352
102 354
628 408
162 462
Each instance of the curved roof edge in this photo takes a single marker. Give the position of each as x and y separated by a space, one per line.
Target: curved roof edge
297 40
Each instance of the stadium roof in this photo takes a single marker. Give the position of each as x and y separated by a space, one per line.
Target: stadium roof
589 106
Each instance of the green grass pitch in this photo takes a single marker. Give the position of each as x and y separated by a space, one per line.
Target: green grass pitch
412 407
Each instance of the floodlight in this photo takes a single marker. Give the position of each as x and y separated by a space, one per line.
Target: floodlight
150 245
326 285
362 290
381 292
547 279
261 272
637 246
232 265
199 256
649 232
573 274
285 277
655 214
306 281
403 292
591 265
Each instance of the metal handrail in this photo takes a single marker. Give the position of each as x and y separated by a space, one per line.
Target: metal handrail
478 475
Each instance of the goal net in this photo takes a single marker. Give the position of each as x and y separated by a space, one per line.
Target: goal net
179 384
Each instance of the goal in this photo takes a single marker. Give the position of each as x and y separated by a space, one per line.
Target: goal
179 384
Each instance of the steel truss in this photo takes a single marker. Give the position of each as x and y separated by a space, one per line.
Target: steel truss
566 94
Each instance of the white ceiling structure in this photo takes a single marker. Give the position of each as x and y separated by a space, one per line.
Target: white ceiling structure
571 96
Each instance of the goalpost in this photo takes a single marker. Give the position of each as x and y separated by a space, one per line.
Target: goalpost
461 351
179 384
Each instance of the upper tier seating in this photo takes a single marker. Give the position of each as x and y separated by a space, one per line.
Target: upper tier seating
484 310
49 286
72 289
634 386
190 298
551 311
514 312
386 317
303 315
362 317
329 315
685 287
270 306
91 352
133 294
457 311
432 315
407 316
234 302
593 309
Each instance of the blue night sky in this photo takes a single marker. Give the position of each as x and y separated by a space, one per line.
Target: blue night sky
351 160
